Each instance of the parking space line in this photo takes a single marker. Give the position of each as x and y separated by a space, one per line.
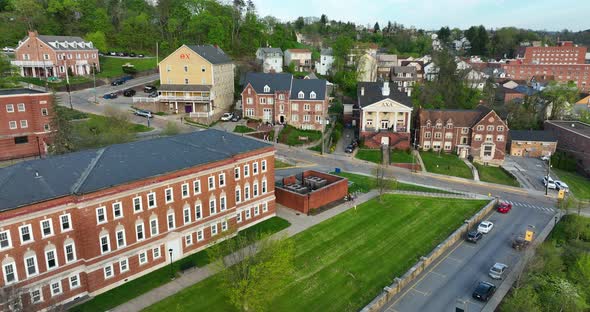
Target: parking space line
439 274
425 294
455 259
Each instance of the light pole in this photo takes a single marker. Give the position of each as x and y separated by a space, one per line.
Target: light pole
547 177
94 78
171 272
322 121
68 80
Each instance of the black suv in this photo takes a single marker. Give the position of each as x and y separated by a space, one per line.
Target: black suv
474 236
149 89
129 92
117 82
484 291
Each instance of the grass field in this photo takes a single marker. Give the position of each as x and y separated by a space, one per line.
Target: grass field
290 136
139 286
579 185
343 263
111 66
446 164
495 175
372 155
280 164
364 184
243 129
397 156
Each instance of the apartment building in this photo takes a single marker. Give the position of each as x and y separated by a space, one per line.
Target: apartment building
300 57
25 118
52 56
271 59
79 224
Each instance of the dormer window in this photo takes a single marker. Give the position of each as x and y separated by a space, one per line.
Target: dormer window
266 89
312 95
301 95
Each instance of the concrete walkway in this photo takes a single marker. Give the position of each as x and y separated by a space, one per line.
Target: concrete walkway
419 159
473 169
299 222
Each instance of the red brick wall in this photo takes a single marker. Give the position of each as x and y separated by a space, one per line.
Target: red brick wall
574 144
491 119
336 189
560 54
579 73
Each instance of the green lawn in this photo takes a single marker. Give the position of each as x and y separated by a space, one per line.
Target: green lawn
141 285
343 263
398 156
372 155
111 66
495 175
579 185
446 164
280 164
243 129
290 136
364 184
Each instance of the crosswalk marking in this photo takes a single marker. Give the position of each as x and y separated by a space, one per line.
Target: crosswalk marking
548 210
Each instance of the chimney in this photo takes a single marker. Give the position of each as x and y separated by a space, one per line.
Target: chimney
385 90
362 91
33 34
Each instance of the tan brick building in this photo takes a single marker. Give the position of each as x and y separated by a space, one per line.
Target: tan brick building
25 117
51 56
532 143
80 224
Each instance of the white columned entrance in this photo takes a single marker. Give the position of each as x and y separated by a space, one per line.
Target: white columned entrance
34 71
395 122
363 121
409 120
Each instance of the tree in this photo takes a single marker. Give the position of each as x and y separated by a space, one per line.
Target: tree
341 49
252 268
62 140
171 128
585 116
522 299
444 34
376 28
324 19
384 180
6 72
560 98
299 23
99 40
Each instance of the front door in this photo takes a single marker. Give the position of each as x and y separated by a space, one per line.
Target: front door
384 124
267 113
385 140
188 109
282 119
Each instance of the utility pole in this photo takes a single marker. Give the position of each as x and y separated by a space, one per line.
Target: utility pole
68 82
548 172
94 78
322 140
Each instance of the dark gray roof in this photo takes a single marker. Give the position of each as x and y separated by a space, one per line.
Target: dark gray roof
271 50
89 171
373 94
280 81
307 86
327 51
51 39
532 135
210 53
181 87
20 91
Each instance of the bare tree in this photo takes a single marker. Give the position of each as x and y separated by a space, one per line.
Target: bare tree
384 180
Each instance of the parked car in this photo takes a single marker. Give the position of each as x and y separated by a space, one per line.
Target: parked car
560 185
504 207
129 92
236 117
154 94
349 149
149 89
485 227
474 236
484 291
112 53
549 183
497 270
110 96
520 243
126 78
140 55
8 49
120 54
131 54
545 157
226 116
117 82
143 113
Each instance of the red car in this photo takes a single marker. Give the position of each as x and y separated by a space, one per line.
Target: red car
504 207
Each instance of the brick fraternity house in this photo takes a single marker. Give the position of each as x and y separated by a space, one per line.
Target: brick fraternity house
385 115
80 224
196 80
280 98
479 133
532 143
25 117
51 56
573 138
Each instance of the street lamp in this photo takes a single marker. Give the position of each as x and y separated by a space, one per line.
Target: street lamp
94 78
556 220
171 271
547 176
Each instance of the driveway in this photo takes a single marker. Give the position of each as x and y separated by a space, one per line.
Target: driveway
345 139
528 171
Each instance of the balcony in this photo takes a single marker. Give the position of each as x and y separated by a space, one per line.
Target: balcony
139 99
81 62
184 98
32 63
398 129
200 114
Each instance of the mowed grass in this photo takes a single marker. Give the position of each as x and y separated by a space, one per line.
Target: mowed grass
111 66
281 164
446 164
243 129
579 185
399 156
291 136
364 184
495 175
372 155
344 262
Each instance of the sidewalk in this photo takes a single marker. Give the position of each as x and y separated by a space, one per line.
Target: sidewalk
299 223
473 169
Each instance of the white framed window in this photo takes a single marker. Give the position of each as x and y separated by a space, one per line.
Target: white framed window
46 228
198 211
211 183
500 138
187 215
478 137
246 192
36 295
139 231
118 210
255 168
70 252
169 194
26 235
255 189
20 107
197 187
156 252
306 118
101 215
312 95
74 281
500 128
238 193
24 124
318 118
480 127
171 221
10 275
249 100
248 214
31 266
224 226
12 124
5 241
137 204
239 217
221 178
154 227
256 210
10 108
263 186
262 100
121 241
151 198
318 107
490 128
271 101
263 165
142 258
246 170
188 239
213 229
55 288
266 89
123 265
222 203
212 208
264 207
184 190
200 236
281 97
237 173
51 259
306 107
108 271
300 95
105 244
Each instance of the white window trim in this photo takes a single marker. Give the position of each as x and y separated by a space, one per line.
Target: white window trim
158 254
265 207
40 291
214 229
171 195
50 227
182 193
209 187
188 239
223 199
195 184
126 265
237 171
105 215
20 234
10 108
239 217
157 227
120 209
54 257
13 270
198 208
25 124
200 236
186 212
255 168
108 244
148 200
124 238
104 270
11 123
34 257
238 194
224 226
60 290
246 171
8 238
61 224
73 252
221 178
140 204
142 231
77 278
263 165
173 221
139 257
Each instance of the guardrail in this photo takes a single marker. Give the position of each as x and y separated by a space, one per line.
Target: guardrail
201 114
140 99
185 98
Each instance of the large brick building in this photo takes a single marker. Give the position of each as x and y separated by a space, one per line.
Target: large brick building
52 56
80 224
566 62
283 99
574 139
479 133
532 143
25 117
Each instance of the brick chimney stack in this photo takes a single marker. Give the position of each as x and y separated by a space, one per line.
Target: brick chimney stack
33 34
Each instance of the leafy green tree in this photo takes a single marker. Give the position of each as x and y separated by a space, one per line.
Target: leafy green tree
560 97
62 136
376 28
522 299
585 116
299 23
31 11
444 34
99 40
341 49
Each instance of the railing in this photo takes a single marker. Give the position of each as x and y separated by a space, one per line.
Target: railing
184 98
139 99
373 129
201 114
82 62
32 63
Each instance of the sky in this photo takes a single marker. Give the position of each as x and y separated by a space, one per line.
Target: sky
433 14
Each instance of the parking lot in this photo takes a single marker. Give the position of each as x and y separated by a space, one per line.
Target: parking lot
528 171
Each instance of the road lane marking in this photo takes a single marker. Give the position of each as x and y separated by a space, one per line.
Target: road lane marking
455 259
439 274
425 294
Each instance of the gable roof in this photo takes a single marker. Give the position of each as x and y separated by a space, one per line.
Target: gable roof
299 50
327 51
276 82
212 54
271 50
93 170
307 86
460 117
532 135
50 40
585 100
374 94
20 91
